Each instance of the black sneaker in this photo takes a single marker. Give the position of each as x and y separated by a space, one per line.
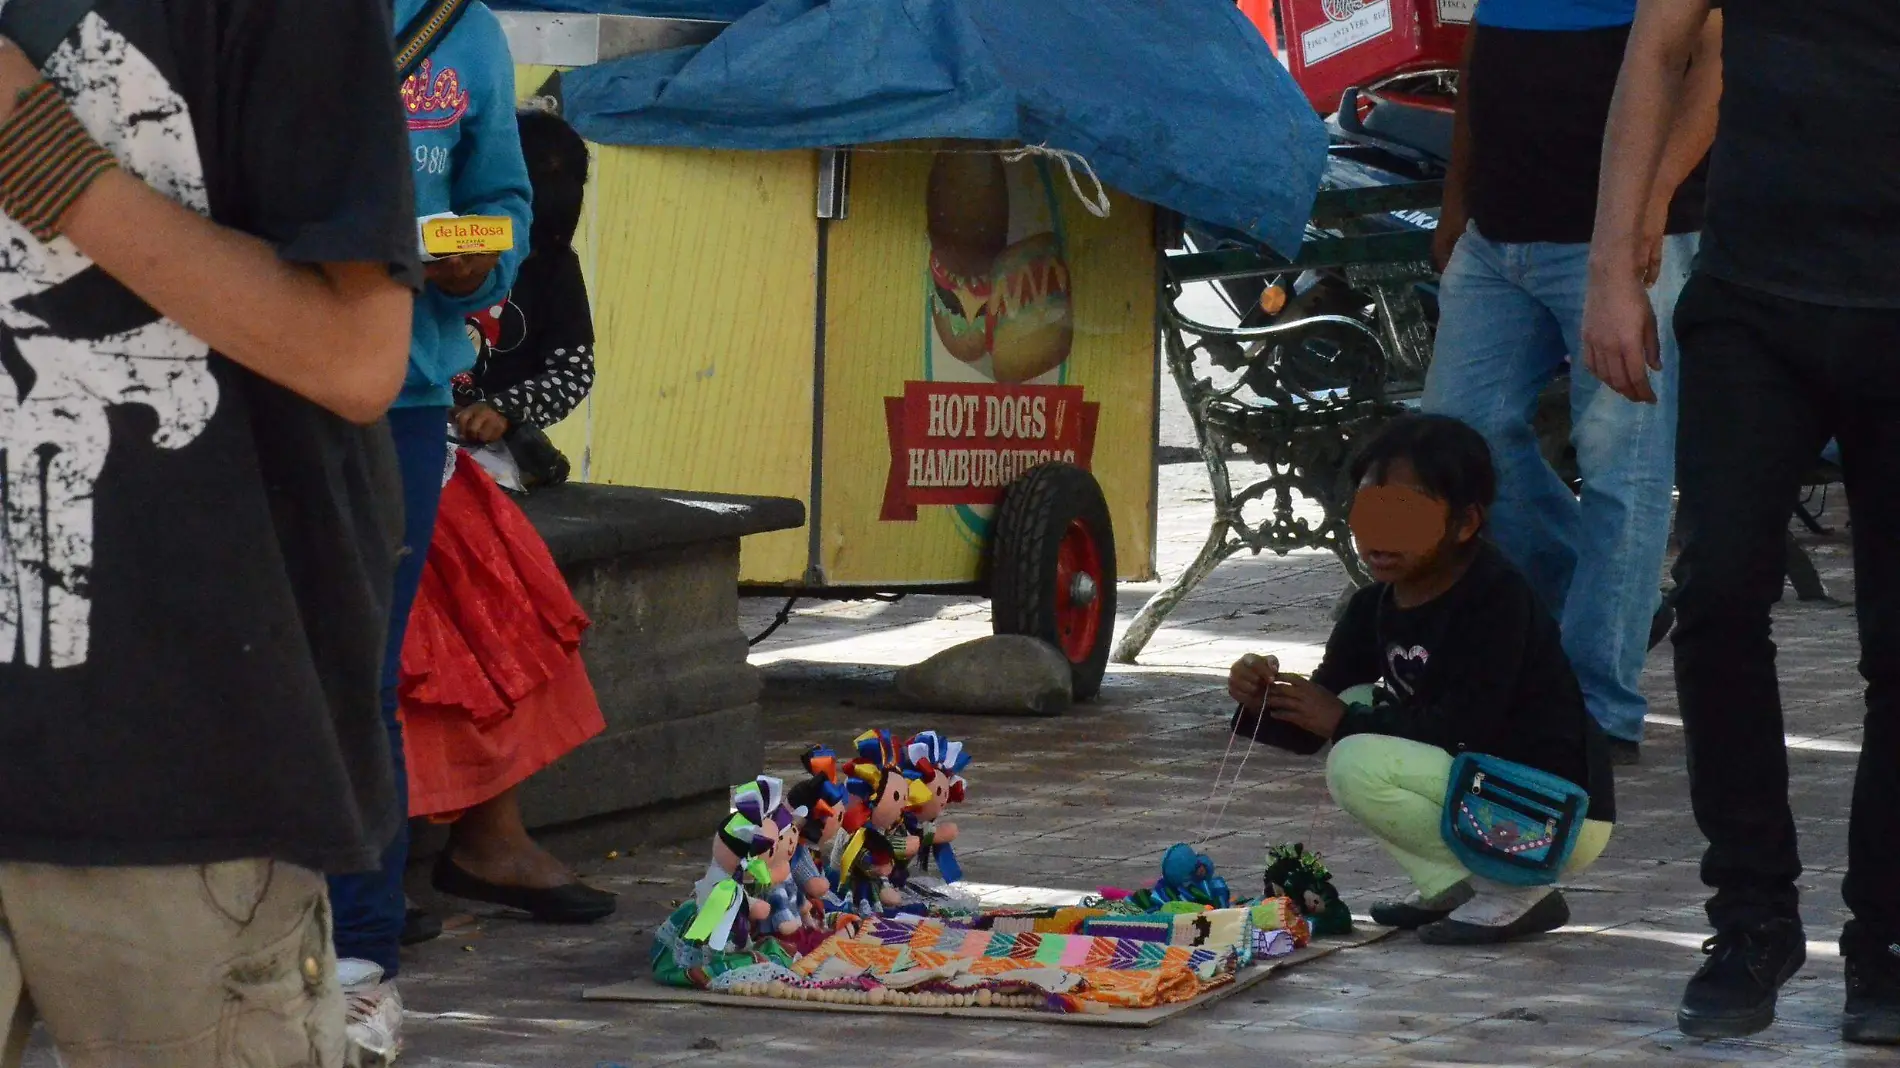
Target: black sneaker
1873 998
1733 994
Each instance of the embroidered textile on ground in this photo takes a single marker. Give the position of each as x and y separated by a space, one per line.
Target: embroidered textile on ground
1078 973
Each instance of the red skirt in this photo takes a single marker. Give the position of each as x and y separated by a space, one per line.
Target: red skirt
493 689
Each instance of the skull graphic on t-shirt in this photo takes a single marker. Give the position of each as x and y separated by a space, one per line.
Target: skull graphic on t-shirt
74 344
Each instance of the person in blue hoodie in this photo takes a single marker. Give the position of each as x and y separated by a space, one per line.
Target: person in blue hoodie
467 160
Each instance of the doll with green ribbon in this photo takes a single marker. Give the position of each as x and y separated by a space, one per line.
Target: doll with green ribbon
730 922
747 890
1301 877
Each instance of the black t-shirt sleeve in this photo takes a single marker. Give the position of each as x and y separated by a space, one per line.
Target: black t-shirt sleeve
1466 701
312 129
1352 651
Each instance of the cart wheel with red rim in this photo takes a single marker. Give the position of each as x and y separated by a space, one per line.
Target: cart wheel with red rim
1052 568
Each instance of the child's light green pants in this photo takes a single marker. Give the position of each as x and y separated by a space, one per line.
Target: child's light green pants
1396 788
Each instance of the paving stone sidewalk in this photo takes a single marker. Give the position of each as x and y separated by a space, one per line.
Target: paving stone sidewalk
1094 798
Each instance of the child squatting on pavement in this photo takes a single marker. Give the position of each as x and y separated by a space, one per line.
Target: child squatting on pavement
1448 652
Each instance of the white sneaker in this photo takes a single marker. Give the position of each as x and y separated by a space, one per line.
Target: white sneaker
373 1014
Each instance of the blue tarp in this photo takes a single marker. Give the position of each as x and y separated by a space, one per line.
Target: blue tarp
721 10
1179 102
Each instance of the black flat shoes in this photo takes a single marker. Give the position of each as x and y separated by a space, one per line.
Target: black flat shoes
572 903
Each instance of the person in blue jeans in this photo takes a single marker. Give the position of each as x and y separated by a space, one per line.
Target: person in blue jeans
467 160
1514 245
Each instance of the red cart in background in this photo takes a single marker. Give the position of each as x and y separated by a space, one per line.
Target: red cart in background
1400 47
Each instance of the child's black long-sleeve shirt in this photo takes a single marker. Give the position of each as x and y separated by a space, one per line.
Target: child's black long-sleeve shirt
1479 668
542 366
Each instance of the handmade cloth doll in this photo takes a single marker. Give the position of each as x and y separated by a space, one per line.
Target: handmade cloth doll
1294 873
778 833
938 763
823 798
877 844
733 898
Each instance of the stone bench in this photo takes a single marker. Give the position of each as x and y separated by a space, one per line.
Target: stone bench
657 571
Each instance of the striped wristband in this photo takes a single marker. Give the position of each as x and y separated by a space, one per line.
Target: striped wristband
47 160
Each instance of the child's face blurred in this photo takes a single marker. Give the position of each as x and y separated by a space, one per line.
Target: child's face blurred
1403 532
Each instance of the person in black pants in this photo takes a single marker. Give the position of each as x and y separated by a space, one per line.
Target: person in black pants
1790 334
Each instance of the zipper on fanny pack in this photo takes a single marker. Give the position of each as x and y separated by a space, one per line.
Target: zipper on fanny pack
1519 793
1519 804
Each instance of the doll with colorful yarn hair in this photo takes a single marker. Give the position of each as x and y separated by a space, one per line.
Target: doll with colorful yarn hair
938 763
747 886
738 910
823 798
876 846
777 834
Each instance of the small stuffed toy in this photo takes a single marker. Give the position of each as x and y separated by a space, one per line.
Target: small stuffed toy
874 860
776 837
750 865
1186 876
1294 873
823 798
938 763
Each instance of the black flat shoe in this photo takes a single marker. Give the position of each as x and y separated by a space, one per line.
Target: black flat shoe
419 926
1413 914
1548 914
572 903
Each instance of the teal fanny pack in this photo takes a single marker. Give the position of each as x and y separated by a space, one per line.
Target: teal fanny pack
1511 823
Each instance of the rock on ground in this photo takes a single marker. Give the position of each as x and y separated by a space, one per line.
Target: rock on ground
1002 673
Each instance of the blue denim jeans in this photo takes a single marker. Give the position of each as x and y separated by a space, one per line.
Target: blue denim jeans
368 908
1510 315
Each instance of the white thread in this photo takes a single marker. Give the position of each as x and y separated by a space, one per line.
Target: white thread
1234 787
1219 773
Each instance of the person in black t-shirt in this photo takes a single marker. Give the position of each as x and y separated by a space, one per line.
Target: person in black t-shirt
207 262
1790 333
1513 241
1448 650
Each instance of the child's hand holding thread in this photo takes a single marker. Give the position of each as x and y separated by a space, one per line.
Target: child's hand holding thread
1248 679
1306 705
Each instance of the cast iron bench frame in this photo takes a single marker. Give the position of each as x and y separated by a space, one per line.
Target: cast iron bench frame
1304 435
1301 432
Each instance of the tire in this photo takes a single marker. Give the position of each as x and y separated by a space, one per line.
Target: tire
1053 524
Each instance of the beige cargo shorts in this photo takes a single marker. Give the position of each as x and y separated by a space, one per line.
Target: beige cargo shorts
221 965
